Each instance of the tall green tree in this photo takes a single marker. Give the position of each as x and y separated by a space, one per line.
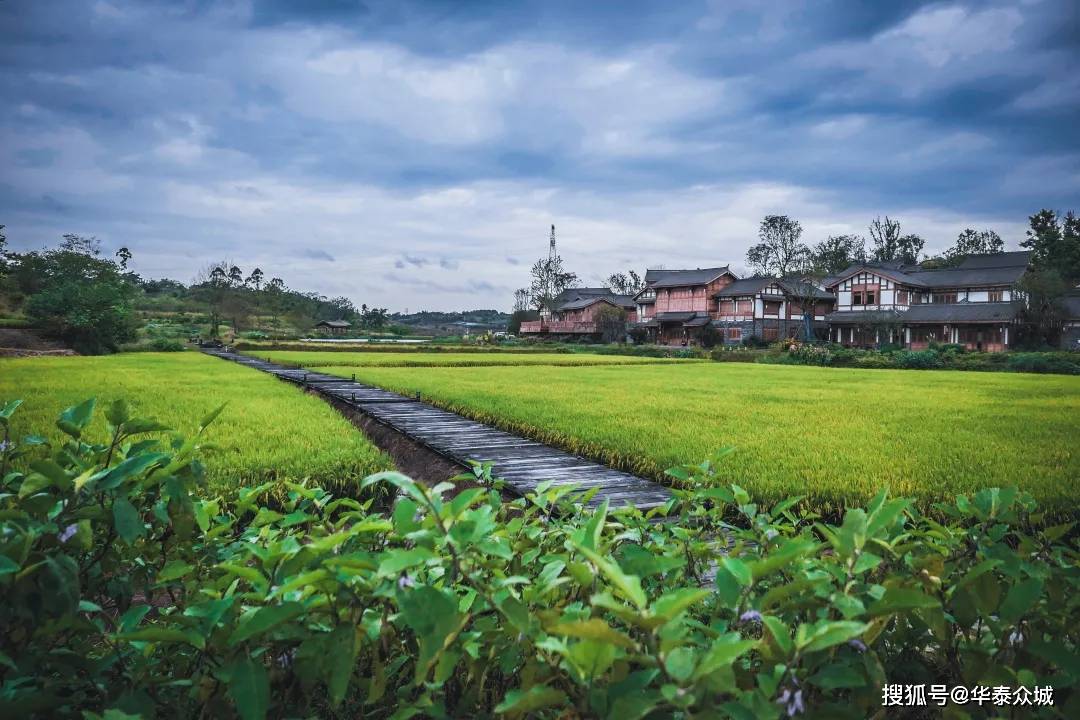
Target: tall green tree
83 299
1055 243
780 252
837 252
888 245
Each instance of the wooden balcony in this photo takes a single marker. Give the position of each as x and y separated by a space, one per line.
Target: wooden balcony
557 326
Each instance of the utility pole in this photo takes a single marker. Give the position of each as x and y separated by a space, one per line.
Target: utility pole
550 267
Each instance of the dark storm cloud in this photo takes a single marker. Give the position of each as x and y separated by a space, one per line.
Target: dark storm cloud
441 138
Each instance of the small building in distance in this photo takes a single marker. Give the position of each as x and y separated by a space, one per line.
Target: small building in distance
333 327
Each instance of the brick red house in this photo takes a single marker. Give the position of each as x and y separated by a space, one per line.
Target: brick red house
574 312
676 304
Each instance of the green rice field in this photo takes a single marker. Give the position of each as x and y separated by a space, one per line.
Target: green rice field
831 434
268 430
315 358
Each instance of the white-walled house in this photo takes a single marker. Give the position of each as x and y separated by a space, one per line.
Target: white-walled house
971 304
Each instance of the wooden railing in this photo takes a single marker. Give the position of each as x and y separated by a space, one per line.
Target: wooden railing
557 326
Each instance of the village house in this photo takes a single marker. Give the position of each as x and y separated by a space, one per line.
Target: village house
892 303
770 308
574 312
676 304
333 327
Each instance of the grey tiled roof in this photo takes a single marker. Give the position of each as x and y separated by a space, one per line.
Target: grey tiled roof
579 303
335 323
960 278
577 298
674 316
746 286
930 313
796 286
681 278
960 312
698 321
863 316
973 271
1019 258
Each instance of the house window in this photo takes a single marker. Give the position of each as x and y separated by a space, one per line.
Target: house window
734 334
772 307
871 297
996 295
902 297
857 297
943 297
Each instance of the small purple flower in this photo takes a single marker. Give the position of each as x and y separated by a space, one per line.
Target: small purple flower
4 445
68 533
750 616
795 706
1016 638
405 582
857 644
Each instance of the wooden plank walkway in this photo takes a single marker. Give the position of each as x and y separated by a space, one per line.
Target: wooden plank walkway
521 463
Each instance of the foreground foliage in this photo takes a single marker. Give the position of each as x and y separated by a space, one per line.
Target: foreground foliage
833 434
129 590
271 431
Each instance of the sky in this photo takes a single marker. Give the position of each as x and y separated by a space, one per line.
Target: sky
414 155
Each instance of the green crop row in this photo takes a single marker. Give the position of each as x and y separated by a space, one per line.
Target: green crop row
835 435
320 359
272 430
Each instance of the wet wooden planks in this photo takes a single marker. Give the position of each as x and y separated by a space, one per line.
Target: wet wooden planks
521 463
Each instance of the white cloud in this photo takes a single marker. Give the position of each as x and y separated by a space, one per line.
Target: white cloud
528 92
936 47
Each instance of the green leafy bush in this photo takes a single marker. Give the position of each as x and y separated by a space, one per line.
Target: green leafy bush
128 590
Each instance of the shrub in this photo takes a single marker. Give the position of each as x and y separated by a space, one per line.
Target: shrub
127 590
917 359
159 344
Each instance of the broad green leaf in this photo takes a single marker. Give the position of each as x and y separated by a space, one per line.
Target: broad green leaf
828 634
7 410
75 419
249 687
156 633
1020 598
536 697
779 632
900 599
671 604
342 648
629 586
174 569
592 629
265 619
118 412
739 570
128 522
591 658
722 653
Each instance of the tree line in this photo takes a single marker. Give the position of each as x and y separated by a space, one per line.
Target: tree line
79 295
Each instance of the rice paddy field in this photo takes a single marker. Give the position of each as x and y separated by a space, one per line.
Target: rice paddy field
268 430
315 358
835 435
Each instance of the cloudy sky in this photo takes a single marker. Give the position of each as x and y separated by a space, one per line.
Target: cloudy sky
413 155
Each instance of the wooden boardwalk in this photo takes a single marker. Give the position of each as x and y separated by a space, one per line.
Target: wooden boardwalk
521 463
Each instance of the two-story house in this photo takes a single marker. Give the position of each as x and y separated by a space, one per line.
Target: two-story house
971 304
770 308
675 304
574 311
